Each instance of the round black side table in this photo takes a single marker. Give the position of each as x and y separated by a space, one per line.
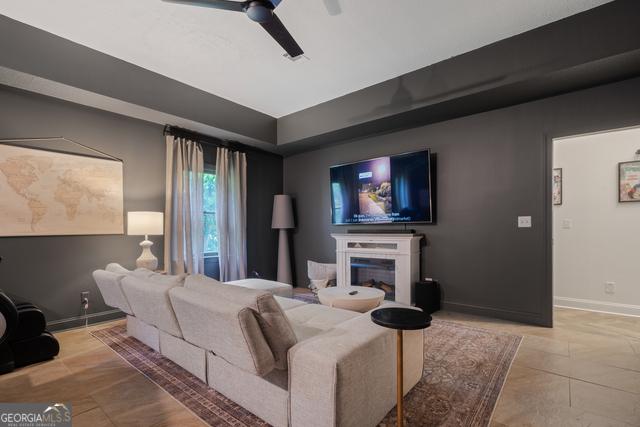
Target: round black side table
400 319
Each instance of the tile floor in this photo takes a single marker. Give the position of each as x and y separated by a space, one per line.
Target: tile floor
583 372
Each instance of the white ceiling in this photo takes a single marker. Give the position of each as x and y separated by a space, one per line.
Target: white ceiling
224 53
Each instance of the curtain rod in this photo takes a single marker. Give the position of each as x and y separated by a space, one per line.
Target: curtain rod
212 140
206 139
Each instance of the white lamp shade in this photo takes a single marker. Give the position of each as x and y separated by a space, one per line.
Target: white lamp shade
282 212
145 223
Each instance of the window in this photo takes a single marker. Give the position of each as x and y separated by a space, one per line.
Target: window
209 207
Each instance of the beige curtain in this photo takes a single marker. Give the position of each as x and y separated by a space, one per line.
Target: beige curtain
231 213
184 219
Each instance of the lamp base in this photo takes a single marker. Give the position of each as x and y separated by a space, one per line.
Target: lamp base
147 259
284 260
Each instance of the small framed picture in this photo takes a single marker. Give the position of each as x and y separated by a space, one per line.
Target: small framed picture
557 186
629 181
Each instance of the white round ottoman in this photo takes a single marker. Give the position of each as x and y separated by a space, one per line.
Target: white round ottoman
338 297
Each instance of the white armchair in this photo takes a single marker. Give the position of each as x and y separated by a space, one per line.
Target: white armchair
321 275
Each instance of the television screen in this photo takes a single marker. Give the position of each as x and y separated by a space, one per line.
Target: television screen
393 189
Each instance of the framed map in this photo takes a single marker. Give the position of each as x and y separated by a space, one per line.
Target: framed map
557 186
44 193
629 181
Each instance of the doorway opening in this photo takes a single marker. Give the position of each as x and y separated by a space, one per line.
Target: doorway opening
596 222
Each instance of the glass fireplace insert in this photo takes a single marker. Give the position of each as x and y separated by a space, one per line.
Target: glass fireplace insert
376 273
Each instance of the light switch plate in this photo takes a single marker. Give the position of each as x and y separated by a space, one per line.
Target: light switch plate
524 222
567 224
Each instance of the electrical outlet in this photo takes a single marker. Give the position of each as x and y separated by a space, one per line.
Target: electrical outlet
567 224
610 288
84 300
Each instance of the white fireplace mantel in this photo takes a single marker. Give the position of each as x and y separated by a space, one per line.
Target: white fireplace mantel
404 249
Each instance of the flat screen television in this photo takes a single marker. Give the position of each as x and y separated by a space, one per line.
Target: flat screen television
385 190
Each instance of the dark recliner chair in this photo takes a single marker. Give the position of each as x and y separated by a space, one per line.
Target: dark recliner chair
23 339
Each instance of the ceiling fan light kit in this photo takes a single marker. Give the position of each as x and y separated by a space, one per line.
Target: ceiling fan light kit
260 11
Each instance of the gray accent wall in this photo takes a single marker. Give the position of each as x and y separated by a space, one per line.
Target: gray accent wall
52 271
264 180
492 167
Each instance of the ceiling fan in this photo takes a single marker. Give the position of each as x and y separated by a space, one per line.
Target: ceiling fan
260 11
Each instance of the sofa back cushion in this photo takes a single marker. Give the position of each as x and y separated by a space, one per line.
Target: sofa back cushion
114 267
149 301
229 330
274 324
145 273
201 283
166 279
110 287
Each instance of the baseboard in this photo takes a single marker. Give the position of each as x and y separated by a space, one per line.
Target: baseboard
598 306
515 316
78 321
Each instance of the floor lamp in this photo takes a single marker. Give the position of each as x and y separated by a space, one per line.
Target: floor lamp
282 220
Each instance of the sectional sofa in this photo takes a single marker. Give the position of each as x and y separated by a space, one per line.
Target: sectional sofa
288 362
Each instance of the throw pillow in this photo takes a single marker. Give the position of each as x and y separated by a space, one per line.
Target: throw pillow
274 324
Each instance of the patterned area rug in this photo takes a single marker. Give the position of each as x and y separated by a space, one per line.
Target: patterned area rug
465 369
212 407
307 297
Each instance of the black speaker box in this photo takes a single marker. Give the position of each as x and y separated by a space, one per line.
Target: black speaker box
427 294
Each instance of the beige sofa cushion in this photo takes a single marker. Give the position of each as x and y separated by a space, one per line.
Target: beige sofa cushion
273 322
145 273
111 290
276 288
114 267
149 301
201 283
267 396
347 376
229 330
288 303
309 320
165 279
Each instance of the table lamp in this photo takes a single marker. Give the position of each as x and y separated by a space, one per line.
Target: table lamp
282 220
145 224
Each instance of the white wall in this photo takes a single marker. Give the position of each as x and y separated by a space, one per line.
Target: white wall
603 241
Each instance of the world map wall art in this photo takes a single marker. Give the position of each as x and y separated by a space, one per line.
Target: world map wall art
44 193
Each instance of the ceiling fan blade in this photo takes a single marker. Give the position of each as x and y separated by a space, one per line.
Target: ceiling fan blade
275 3
277 30
215 4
